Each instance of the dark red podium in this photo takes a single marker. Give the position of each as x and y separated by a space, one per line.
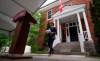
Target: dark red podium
23 20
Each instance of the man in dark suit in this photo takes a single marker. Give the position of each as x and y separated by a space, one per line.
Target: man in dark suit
51 37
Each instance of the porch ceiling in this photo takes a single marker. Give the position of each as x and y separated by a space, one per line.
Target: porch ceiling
69 13
70 18
9 8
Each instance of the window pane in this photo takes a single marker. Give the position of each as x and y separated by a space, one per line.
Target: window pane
49 14
74 23
70 24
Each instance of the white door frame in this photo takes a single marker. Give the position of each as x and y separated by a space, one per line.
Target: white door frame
67 30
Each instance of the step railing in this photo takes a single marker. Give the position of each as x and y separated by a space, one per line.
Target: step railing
85 35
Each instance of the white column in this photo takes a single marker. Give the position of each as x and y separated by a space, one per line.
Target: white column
87 26
60 32
68 36
58 29
81 36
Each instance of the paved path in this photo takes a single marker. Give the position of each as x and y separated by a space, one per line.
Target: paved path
55 58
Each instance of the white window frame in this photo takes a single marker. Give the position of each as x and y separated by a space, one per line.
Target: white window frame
51 15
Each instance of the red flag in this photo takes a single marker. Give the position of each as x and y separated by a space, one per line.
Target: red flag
61 6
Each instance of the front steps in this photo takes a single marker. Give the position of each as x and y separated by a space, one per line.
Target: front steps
72 53
68 48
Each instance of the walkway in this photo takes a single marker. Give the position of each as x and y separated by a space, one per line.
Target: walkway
44 57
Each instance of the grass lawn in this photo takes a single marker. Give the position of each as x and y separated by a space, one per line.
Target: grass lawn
40 52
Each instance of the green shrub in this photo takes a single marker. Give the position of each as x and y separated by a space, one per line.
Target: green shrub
95 16
3 39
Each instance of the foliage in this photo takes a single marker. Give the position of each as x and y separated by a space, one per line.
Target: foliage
37 50
10 37
39 18
3 39
46 37
95 12
34 32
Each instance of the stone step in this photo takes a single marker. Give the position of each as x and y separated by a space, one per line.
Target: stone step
72 53
68 47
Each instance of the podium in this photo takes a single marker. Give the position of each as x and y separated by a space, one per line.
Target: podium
23 20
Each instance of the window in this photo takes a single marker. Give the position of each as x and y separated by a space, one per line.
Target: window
70 24
49 14
74 23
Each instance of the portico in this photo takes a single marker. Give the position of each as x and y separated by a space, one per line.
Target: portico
73 18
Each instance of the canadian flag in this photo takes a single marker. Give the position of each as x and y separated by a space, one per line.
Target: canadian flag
61 6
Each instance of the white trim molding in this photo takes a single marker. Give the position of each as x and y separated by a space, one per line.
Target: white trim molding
69 10
87 26
81 36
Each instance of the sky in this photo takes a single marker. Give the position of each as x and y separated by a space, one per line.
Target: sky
47 2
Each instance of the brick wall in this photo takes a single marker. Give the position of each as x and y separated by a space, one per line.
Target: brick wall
70 2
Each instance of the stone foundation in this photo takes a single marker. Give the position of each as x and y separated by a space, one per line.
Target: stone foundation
90 47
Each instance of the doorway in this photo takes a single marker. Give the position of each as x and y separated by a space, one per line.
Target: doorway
72 31
73 34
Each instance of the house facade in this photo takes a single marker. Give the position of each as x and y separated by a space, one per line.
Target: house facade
73 24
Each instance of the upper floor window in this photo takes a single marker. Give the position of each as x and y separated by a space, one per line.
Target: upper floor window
49 14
